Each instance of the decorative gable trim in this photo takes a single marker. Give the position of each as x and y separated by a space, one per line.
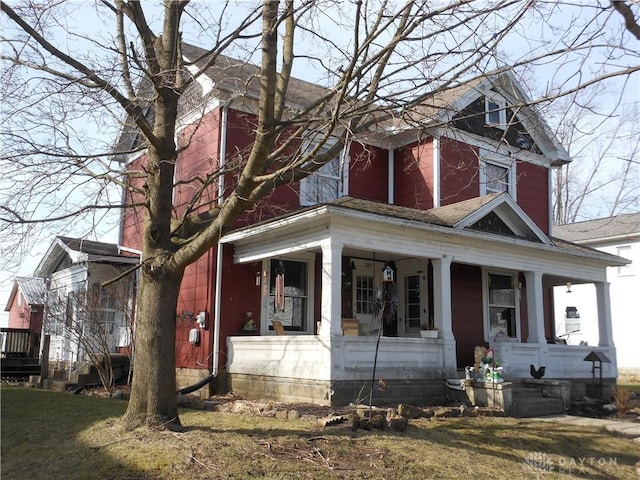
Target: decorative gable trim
509 215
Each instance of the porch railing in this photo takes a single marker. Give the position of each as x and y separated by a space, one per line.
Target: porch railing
560 361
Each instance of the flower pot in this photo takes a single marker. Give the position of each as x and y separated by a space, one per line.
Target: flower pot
429 333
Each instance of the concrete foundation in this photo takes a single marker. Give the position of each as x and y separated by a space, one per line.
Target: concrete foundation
185 377
337 393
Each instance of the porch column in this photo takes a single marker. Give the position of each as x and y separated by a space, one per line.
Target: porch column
535 315
442 311
605 332
331 310
442 296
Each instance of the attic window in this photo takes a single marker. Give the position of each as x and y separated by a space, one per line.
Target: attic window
495 111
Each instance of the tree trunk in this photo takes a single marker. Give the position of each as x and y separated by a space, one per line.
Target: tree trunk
153 393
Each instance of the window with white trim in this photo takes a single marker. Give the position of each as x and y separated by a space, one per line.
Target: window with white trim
323 185
497 178
288 295
495 111
497 174
501 305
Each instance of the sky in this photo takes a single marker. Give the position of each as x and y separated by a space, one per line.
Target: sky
83 14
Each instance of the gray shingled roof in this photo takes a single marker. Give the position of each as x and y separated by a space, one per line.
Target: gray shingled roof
600 229
446 216
91 247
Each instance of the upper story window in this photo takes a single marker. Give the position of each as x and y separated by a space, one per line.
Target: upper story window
497 178
323 185
495 111
497 175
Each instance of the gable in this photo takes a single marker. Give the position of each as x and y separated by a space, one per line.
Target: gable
472 119
503 216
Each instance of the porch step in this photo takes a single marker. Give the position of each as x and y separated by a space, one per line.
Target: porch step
536 406
57 385
533 398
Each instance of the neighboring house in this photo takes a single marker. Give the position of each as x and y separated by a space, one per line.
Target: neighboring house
77 305
26 307
25 303
457 204
576 309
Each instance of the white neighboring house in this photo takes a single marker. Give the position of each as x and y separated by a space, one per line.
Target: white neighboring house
576 311
72 267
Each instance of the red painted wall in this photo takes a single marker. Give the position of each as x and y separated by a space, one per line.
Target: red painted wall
466 311
131 226
23 316
200 158
533 193
368 177
459 179
414 175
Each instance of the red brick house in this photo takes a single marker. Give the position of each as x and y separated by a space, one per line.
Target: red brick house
456 203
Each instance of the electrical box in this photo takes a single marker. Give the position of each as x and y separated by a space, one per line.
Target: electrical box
194 336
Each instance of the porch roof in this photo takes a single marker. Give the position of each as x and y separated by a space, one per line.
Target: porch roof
461 221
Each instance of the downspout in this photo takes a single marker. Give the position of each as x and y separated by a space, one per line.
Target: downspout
215 367
436 172
219 251
390 176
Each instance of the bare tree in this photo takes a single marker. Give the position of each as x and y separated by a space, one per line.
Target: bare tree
603 178
377 61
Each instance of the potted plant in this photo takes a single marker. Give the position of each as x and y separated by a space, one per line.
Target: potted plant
428 331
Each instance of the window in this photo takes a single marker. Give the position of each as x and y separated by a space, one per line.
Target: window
497 173
412 301
497 178
501 305
625 252
101 311
364 294
288 295
495 111
323 185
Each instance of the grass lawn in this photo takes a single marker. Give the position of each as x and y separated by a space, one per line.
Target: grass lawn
49 435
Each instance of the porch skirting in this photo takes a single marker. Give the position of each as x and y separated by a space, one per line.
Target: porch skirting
337 370
337 392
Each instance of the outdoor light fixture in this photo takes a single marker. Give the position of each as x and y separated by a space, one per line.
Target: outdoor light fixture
568 287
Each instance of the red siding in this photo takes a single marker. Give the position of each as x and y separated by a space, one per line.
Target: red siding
199 159
414 175
466 311
533 193
23 316
368 178
132 218
458 171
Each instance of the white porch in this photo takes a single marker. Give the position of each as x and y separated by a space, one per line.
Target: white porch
323 366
